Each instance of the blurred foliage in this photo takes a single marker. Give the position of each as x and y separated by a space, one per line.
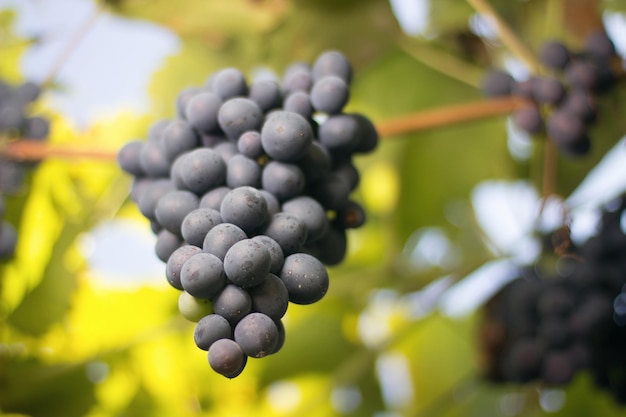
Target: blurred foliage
73 346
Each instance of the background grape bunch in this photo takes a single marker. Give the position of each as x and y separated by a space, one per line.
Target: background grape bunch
562 101
248 191
549 325
16 123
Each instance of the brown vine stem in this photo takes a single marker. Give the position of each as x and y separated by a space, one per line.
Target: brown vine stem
33 150
506 34
444 116
71 47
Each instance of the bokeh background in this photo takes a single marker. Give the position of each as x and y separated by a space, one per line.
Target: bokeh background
89 325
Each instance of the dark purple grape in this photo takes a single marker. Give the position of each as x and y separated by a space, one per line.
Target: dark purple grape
332 63
179 137
288 231
203 169
346 170
368 136
257 335
213 198
581 105
227 358
273 205
221 237
286 136
329 94
497 83
226 150
332 192
202 275
201 112
266 94
316 163
297 78
305 277
183 99
247 263
239 115
249 144
340 133
166 243
149 195
582 75
197 224
172 207
243 171
548 90
311 213
277 258
331 248
600 46
233 303
228 83
154 161
282 179
299 102
554 54
565 129
270 297
350 217
210 329
245 207
175 264
128 158
529 119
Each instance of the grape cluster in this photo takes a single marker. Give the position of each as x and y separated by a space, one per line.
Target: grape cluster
563 102
16 123
248 192
550 326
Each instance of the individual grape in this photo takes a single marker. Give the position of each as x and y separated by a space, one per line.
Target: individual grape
202 275
212 140
340 133
288 231
270 297
529 119
128 158
332 192
172 207
8 240
192 308
246 208
548 90
239 115
197 224
175 264
213 198
276 253
257 335
210 329
286 136
582 75
273 205
281 336
600 46
297 78
351 216
580 104
227 358
233 303
554 54
154 161
524 89
331 248
176 171
150 194
221 238
305 277
311 213
282 179
316 163
201 112
166 243
332 63
299 102
266 94
497 83
179 137
247 263
565 129
242 171
203 169
368 136
183 98
228 83
346 170
155 133
249 144
329 94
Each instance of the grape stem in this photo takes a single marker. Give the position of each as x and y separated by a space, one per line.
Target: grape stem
506 34
36 150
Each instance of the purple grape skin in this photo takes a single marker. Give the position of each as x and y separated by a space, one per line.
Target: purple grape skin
233 303
210 329
283 180
299 102
286 136
249 144
203 169
247 263
175 264
239 115
227 358
202 275
270 297
312 214
242 171
228 83
266 94
277 257
288 231
221 237
554 54
197 224
150 194
179 137
154 161
201 112
172 207
528 119
497 83
332 63
257 335
340 133
166 244
245 207
305 277
329 94
213 198
128 158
